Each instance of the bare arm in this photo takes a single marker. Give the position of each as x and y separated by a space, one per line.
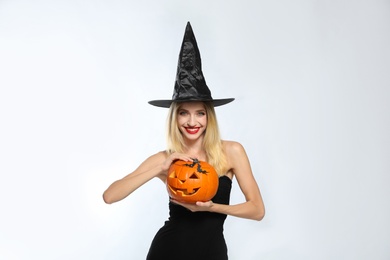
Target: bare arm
253 207
156 165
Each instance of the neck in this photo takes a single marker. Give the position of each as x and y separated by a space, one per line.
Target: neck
195 148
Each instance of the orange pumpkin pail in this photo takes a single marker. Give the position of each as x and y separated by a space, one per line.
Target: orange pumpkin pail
190 182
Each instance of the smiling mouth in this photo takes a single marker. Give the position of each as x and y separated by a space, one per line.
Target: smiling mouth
192 130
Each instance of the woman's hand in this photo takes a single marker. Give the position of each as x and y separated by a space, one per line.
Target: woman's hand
173 157
198 206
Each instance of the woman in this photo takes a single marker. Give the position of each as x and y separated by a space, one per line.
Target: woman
194 231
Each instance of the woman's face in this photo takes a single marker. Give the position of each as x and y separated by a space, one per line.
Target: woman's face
192 119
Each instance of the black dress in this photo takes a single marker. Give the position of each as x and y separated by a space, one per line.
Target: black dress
193 235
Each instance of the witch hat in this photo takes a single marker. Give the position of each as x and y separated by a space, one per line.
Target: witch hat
190 84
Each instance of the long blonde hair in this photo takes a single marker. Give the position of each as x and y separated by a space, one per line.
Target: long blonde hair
212 142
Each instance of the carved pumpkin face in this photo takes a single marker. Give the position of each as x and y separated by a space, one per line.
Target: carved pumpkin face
190 182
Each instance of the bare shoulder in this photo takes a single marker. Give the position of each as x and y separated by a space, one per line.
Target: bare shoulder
160 155
153 160
235 154
232 148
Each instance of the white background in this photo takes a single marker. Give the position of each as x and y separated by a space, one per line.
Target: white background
311 82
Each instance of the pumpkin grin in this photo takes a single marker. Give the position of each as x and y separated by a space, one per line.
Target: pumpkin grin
185 192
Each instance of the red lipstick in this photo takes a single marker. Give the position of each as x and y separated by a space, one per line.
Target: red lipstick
192 130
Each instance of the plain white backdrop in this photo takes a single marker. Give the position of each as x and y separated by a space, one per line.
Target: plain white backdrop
311 82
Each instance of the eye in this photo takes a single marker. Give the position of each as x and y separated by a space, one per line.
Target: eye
183 113
201 113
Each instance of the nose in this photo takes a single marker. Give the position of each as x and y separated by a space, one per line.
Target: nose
191 121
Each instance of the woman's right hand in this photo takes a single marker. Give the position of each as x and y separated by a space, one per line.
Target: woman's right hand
174 157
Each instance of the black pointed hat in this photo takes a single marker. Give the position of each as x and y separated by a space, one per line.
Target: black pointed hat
190 84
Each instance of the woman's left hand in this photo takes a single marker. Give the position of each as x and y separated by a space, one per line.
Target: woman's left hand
198 206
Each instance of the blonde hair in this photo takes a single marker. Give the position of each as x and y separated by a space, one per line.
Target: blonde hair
212 142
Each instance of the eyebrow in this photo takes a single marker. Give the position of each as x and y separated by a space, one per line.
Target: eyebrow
199 110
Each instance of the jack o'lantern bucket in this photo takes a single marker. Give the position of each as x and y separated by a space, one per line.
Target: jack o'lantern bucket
190 182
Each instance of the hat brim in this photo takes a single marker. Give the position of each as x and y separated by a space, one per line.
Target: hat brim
167 103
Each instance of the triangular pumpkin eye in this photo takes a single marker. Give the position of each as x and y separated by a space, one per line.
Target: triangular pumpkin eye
173 175
194 176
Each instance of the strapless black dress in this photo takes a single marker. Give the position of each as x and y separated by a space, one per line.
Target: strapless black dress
193 235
